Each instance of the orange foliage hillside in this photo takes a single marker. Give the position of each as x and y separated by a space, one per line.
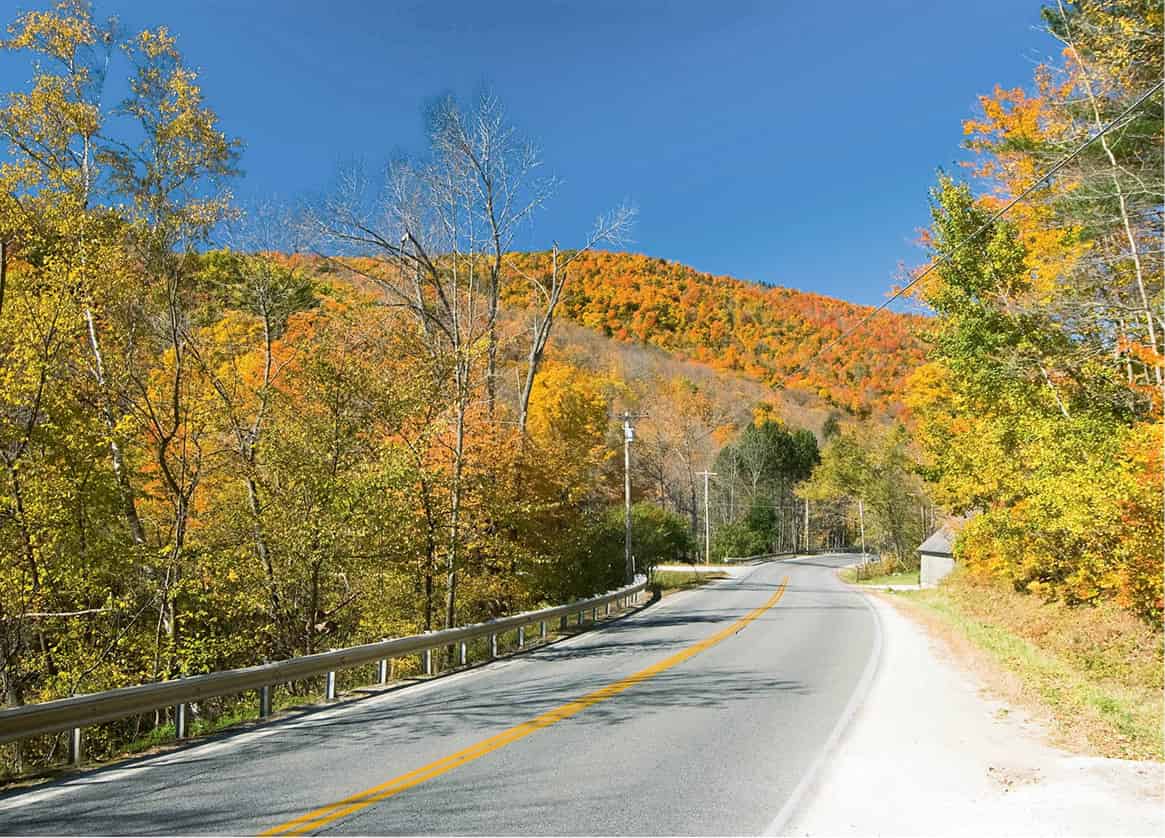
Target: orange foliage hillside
769 333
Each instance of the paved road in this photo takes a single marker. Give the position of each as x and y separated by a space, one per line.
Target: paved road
713 743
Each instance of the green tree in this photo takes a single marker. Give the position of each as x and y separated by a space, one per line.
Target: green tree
874 466
758 472
737 539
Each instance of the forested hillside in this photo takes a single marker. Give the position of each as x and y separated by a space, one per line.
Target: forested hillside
333 430
230 434
772 334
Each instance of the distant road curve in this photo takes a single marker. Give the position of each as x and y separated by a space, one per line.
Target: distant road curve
706 713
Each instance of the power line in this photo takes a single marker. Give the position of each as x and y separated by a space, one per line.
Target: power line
987 224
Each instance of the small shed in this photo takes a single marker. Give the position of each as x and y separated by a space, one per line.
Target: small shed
937 558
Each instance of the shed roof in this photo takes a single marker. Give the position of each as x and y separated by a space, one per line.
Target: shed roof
939 543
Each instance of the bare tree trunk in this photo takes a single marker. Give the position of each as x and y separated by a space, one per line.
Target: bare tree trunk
3 272
250 451
1114 171
13 682
451 564
1124 353
173 578
121 476
492 317
542 329
430 550
313 608
533 363
610 228
29 551
261 548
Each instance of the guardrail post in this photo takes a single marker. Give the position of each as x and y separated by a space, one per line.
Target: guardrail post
182 703
78 746
562 623
180 712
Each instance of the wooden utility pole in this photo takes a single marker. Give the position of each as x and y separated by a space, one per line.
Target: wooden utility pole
707 527
806 525
862 524
628 438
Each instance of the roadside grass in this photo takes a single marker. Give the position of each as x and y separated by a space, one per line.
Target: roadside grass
902 577
155 737
241 713
163 735
669 581
1095 671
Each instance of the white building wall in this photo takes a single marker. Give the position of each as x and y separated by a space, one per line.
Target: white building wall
935 568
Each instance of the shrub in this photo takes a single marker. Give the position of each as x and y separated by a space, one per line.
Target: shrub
737 539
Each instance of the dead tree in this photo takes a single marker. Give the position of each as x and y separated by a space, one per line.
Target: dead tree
611 228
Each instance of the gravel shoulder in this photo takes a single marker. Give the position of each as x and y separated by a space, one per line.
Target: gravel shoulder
930 752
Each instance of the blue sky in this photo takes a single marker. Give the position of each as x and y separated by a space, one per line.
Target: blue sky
786 142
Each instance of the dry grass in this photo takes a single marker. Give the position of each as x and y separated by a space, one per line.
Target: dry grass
1094 673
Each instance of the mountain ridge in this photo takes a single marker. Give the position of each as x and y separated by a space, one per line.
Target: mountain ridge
771 333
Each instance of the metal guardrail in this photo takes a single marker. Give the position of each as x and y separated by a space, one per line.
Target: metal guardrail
731 559
80 711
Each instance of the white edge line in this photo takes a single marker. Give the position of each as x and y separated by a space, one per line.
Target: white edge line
778 824
97 775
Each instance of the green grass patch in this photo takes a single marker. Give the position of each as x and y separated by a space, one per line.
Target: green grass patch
902 577
153 738
199 726
666 581
1096 670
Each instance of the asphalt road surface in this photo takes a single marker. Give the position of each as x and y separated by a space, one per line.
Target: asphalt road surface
702 714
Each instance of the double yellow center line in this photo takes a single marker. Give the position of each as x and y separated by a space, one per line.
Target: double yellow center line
349 805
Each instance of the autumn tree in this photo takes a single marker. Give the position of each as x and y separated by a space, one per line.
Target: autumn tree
54 180
173 178
1043 387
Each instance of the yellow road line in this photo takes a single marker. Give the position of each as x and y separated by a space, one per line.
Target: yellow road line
323 816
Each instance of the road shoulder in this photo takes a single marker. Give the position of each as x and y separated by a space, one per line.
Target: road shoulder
928 752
